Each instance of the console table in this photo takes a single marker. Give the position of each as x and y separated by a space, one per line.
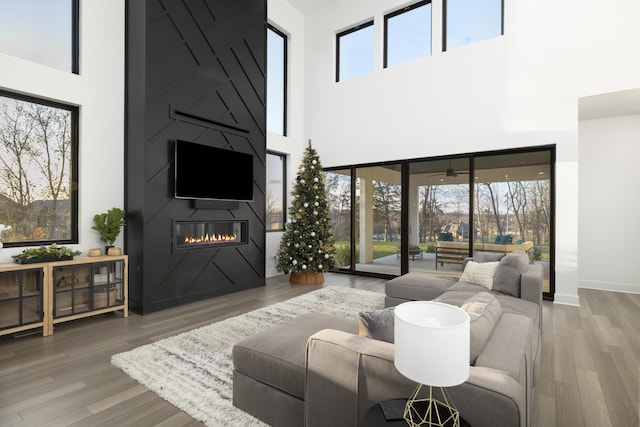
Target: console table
40 295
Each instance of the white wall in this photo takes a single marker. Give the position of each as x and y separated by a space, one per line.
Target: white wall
99 91
290 21
609 203
517 90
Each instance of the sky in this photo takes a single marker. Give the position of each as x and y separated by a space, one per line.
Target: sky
38 31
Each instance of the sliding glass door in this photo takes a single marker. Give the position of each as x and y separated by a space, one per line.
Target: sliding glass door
429 214
438 208
512 205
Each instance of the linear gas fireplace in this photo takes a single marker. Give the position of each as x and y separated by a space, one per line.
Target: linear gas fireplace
189 235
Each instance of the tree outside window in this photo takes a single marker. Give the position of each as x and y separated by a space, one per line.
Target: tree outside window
37 157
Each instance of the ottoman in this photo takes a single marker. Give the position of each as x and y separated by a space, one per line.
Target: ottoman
416 286
269 368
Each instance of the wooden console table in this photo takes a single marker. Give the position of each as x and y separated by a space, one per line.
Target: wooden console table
40 295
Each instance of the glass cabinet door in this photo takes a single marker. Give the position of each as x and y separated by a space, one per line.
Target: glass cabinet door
20 298
71 289
107 284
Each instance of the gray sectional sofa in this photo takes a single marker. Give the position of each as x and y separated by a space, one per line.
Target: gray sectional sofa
317 370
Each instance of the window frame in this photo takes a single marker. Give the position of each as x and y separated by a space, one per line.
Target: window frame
444 22
391 15
283 157
73 49
285 54
346 33
73 169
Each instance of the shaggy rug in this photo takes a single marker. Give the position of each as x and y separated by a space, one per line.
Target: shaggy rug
193 370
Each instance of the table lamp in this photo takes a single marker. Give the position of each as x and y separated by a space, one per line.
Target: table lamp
432 343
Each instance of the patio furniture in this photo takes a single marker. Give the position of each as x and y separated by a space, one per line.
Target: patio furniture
414 252
456 252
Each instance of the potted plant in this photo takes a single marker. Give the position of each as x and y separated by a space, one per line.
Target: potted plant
45 254
108 225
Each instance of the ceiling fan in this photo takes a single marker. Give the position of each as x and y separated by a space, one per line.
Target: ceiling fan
450 172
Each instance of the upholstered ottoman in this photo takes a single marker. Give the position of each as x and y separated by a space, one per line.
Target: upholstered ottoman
269 368
416 286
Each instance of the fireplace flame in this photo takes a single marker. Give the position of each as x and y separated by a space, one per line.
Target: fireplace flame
213 238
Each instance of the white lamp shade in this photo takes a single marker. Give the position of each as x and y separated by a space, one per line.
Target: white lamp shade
432 343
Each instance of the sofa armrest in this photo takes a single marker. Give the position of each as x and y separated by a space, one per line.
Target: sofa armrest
347 374
531 284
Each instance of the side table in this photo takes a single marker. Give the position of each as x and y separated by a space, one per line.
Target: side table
376 417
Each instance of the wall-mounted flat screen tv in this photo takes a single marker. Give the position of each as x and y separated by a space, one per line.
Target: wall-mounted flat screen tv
203 172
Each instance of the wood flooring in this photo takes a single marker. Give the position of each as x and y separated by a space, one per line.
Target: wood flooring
589 376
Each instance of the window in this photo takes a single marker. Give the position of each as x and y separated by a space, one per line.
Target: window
354 51
38 170
42 31
470 21
276 81
276 200
426 215
407 34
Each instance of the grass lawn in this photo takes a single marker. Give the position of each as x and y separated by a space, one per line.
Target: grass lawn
382 249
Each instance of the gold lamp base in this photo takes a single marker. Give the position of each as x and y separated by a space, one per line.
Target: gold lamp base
429 411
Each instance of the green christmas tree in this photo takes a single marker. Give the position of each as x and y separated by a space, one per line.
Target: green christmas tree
307 243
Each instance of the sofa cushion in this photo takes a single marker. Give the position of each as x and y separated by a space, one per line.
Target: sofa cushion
481 273
417 286
508 273
276 356
482 256
377 324
484 311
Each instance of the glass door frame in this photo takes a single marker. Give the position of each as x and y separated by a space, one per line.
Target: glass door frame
404 212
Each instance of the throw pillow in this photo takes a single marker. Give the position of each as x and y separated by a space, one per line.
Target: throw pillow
480 273
377 324
488 256
510 269
484 311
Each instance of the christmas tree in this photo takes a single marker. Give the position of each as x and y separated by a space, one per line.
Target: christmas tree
306 248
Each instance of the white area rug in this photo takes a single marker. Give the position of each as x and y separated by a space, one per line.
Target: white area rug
193 370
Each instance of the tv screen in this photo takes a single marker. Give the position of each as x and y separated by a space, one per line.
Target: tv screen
203 172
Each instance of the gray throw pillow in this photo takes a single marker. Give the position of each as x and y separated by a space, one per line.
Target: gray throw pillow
508 273
377 324
488 256
484 311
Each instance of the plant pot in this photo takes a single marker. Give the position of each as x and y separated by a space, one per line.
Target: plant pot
306 278
113 251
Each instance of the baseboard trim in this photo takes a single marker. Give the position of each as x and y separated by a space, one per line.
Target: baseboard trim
566 299
628 288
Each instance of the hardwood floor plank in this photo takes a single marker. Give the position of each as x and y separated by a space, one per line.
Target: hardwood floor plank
619 403
568 406
596 413
42 398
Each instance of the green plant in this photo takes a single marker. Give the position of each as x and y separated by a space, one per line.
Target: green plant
108 224
53 251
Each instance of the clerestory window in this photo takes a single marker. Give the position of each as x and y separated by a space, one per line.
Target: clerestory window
471 21
407 34
354 52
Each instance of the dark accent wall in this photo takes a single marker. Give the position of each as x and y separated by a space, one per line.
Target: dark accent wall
195 71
